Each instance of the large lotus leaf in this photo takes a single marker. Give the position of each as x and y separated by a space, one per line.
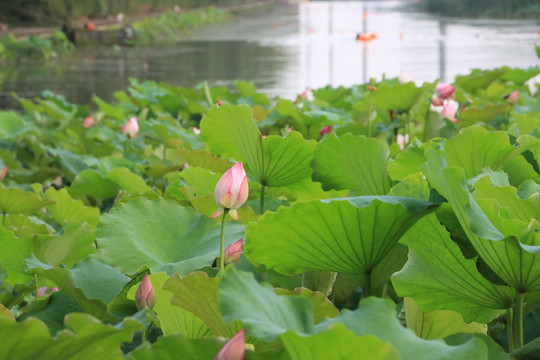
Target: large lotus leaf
352 162
11 124
520 76
528 351
347 235
91 183
511 260
173 319
274 161
172 346
437 324
407 162
306 190
484 114
162 235
478 79
66 209
201 179
125 179
265 314
475 148
199 294
98 280
322 307
71 245
399 96
438 277
377 317
65 280
86 339
15 201
338 343
204 159
13 251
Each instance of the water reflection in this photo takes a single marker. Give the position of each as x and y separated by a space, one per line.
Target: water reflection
287 48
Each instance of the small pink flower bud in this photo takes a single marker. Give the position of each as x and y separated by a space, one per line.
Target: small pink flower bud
88 121
444 90
219 103
232 252
231 190
325 130
513 97
3 173
402 140
145 297
131 128
234 349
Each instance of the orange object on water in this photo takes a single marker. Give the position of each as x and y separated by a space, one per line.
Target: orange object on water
366 37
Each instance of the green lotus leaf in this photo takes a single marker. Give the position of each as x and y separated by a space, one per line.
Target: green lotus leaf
337 343
399 96
513 261
265 314
520 76
170 346
438 277
275 161
66 209
91 183
16 201
322 307
98 280
377 317
162 235
86 339
172 319
484 114
365 172
346 235
125 179
478 79
437 324
65 280
198 294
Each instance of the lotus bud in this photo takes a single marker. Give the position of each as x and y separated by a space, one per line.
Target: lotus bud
131 128
325 130
235 349
444 91
436 100
231 191
145 297
232 252
88 121
3 173
402 140
513 97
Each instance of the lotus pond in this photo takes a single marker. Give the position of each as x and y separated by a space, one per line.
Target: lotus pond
379 221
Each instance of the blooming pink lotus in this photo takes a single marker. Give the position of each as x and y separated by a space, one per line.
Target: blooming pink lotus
88 122
513 97
234 349
232 252
131 128
145 297
231 191
444 91
450 109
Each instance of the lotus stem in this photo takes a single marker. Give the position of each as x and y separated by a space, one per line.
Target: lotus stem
369 115
426 121
517 321
207 93
261 200
510 329
222 246
36 285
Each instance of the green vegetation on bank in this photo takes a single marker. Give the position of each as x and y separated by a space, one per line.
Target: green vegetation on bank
485 8
53 12
164 27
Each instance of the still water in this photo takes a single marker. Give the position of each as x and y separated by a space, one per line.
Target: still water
285 49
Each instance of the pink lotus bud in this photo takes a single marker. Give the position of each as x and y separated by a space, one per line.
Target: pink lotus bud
231 190
196 130
450 109
3 173
402 140
436 100
232 252
88 121
131 128
219 103
325 130
513 97
145 297
234 349
42 291
444 90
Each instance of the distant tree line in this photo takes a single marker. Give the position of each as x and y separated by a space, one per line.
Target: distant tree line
485 8
54 11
